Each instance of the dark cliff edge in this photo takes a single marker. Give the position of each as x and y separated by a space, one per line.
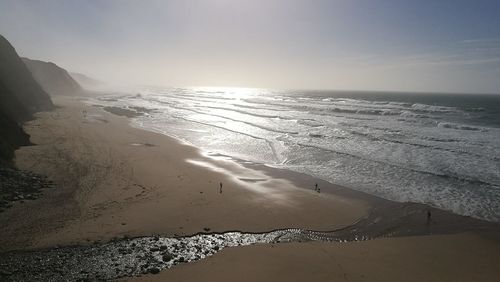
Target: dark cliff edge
52 78
20 97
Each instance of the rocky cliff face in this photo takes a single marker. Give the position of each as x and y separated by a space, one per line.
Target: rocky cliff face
53 79
20 97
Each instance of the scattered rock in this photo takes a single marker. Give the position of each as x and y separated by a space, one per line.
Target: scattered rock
19 185
5 273
131 257
167 257
154 270
122 112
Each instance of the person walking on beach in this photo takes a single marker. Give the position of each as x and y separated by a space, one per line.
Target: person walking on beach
220 189
429 217
316 187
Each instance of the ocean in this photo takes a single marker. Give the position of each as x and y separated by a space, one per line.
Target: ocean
438 149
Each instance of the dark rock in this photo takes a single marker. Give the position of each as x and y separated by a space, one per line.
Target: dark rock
5 273
154 270
167 257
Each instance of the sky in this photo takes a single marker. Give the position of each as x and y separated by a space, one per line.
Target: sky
397 45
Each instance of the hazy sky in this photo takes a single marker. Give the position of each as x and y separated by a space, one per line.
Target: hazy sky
416 45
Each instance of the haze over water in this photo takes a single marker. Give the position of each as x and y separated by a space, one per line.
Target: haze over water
440 149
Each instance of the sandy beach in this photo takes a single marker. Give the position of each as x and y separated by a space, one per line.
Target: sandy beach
115 181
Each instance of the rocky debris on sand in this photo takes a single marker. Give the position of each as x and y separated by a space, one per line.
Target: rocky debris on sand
122 112
130 112
118 258
154 270
20 185
149 255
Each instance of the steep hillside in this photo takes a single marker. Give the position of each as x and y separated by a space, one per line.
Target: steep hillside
20 94
20 97
86 81
53 79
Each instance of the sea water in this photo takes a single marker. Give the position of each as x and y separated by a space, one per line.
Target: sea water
439 149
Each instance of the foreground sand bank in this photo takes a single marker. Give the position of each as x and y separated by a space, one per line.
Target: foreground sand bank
114 180
460 257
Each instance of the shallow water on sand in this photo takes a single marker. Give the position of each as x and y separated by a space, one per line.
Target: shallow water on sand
136 256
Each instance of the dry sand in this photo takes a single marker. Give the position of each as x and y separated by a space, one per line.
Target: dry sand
114 180
461 257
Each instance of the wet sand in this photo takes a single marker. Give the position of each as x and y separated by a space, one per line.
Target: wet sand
460 257
114 180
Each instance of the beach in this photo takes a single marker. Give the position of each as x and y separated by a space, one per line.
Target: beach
115 181
249 141
439 150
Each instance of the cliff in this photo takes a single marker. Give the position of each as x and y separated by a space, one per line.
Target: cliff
87 82
20 97
53 79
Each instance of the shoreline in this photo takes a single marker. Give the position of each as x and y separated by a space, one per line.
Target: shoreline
246 175
430 196
113 180
108 187
297 176
381 209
